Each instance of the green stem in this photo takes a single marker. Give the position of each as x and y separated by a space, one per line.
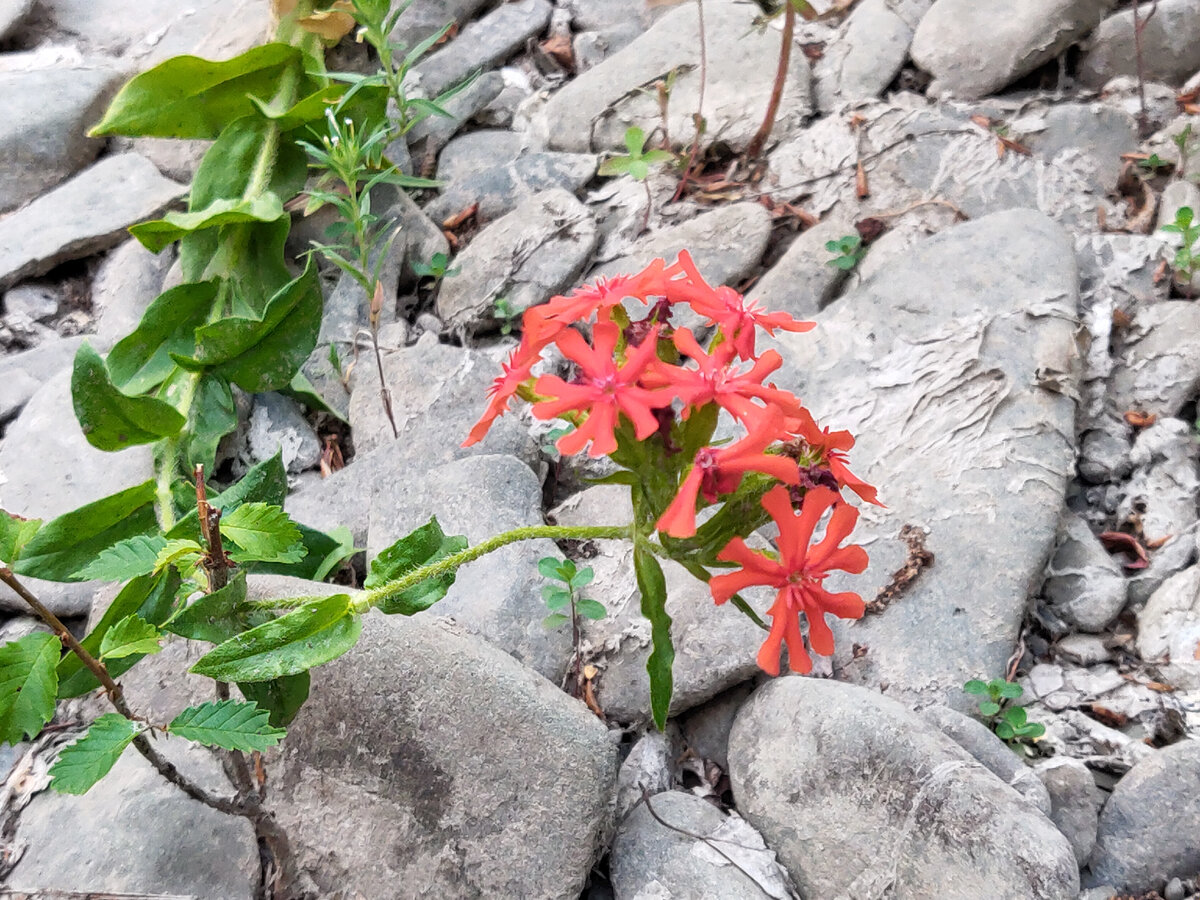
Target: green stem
452 562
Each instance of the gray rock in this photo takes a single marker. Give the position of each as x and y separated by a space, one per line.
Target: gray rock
914 814
438 393
595 15
1084 649
22 374
1093 130
134 833
934 366
127 282
1103 456
651 860
1074 801
1170 45
420 20
176 158
802 282
650 768
37 301
495 172
706 728
498 597
973 51
12 12
13 630
1084 585
431 134
527 256
868 51
85 215
519 808
978 740
715 647
483 44
1148 827
43 136
277 425
594 110
593 47
1169 629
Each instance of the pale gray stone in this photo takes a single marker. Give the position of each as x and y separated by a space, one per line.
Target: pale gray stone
527 256
650 768
431 134
1096 131
1148 827
1170 45
498 597
651 860
595 15
421 20
22 374
594 110
43 134
593 47
483 44
12 12
37 301
802 282
176 158
277 425
518 807
1074 801
914 815
85 215
127 282
955 368
973 50
1084 585
1175 196
1169 628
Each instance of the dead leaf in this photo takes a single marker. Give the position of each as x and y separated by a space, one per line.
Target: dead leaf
1140 419
1009 144
1106 716
1158 543
331 456
861 188
331 24
870 229
1121 319
813 51
1160 273
589 696
1120 542
984 122
282 7
459 218
558 47
1196 652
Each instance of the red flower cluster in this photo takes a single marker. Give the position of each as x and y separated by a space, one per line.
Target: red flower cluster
646 372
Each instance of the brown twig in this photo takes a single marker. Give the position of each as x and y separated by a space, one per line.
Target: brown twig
1139 25
759 141
918 558
216 563
699 118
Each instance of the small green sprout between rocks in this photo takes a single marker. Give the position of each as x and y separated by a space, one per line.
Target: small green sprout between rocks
437 268
848 251
1187 256
1010 723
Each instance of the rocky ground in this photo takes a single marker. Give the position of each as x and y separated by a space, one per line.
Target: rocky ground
1019 364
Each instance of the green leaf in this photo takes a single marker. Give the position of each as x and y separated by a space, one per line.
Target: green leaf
322 554
582 578
555 597
282 697
590 609
142 360
635 140
555 620
989 708
1004 731
263 354
303 638
1033 730
657 156
112 420
653 588
189 97
211 417
1011 690
131 635
128 559
266 482
183 554
15 533
1015 716
158 234
617 165
548 567
422 546
90 758
28 684
975 686
264 532
65 545
214 617
228 724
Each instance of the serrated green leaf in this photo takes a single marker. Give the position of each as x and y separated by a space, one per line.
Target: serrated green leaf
132 635
158 234
264 532
555 620
420 547
112 420
15 533
653 587
81 764
303 638
142 360
215 617
131 557
182 554
266 482
189 97
590 609
28 685
65 545
228 724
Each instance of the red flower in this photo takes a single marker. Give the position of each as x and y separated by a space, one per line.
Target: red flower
716 378
599 298
717 472
603 391
515 371
831 447
727 308
798 575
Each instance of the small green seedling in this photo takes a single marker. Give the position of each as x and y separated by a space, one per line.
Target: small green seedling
1009 723
1187 256
565 593
1154 163
1185 146
550 439
636 164
436 268
848 252
503 312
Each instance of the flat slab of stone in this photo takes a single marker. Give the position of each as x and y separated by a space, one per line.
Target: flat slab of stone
83 216
594 110
955 368
1170 45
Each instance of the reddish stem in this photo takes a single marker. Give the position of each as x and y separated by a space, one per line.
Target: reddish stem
759 141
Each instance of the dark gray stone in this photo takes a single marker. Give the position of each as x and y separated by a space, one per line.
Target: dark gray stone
82 216
706 728
802 282
1093 130
421 20
12 12
1074 802
1084 585
1170 45
860 798
431 134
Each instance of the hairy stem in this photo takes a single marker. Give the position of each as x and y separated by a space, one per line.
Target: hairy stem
759 141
